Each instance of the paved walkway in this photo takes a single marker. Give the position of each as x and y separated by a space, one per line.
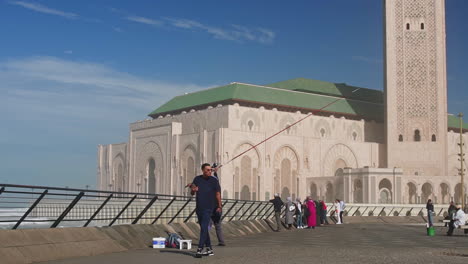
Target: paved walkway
351 243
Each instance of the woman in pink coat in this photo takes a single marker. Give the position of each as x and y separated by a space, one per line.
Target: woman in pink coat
312 218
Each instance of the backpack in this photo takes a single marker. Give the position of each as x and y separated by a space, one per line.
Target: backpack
172 241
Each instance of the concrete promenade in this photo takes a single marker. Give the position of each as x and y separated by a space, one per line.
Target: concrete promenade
350 243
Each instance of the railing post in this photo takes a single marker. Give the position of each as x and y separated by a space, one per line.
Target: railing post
30 208
246 210
162 212
255 210
381 211
356 210
2 190
122 211
238 210
140 215
267 211
67 210
98 210
224 215
180 210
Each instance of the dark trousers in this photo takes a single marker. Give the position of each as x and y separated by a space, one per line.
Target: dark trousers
341 217
278 220
452 227
204 219
323 217
219 231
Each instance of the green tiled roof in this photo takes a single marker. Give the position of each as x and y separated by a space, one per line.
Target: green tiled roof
303 94
454 122
332 89
270 96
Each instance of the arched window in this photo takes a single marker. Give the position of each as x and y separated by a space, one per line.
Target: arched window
151 183
422 26
417 135
407 26
434 138
322 132
250 124
400 138
354 136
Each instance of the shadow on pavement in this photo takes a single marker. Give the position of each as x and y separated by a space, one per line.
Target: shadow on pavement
186 253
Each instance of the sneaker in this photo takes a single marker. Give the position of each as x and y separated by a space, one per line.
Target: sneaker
221 244
199 253
209 252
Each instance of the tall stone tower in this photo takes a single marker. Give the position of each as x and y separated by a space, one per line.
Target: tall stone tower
416 86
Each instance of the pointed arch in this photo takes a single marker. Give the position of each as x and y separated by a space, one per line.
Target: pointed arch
338 152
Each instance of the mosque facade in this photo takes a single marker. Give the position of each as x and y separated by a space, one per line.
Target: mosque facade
361 145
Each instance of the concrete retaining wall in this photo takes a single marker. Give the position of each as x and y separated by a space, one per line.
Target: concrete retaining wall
35 245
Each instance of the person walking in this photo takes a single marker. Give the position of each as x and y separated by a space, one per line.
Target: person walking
289 215
324 213
277 204
218 217
312 218
337 211
208 206
299 214
457 220
342 209
430 212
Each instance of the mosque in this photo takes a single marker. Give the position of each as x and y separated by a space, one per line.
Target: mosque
398 146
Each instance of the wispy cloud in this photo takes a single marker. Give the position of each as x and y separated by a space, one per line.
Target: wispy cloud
144 20
68 51
235 32
52 86
43 9
117 29
367 59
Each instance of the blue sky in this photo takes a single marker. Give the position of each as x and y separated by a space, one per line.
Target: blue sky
74 74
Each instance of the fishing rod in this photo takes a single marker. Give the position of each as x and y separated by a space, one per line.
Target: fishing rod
284 129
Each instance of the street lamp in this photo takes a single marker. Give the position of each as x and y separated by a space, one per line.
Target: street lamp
462 160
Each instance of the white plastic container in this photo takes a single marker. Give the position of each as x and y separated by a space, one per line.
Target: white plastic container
159 242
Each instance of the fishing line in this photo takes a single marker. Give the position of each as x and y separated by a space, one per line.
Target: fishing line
286 128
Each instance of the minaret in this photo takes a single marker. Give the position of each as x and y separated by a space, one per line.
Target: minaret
416 86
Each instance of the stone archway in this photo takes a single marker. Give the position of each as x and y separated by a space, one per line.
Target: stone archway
246 173
286 165
426 192
338 156
385 191
151 176
357 191
444 193
151 152
246 178
412 193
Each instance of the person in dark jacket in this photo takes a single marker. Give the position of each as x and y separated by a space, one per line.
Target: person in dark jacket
451 210
277 204
318 208
430 212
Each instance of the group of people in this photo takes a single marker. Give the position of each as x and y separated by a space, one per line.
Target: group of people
456 216
305 214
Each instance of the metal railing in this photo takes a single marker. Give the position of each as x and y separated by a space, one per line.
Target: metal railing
23 206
